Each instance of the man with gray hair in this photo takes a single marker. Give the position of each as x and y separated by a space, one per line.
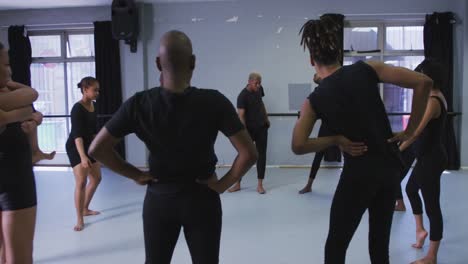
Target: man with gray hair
253 114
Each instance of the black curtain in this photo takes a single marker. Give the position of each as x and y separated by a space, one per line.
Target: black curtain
334 153
438 44
20 54
108 73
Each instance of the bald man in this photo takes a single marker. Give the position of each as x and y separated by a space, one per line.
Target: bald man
253 114
179 124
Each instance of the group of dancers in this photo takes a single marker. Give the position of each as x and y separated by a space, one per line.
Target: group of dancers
179 125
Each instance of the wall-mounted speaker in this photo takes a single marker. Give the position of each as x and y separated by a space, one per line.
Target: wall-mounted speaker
125 22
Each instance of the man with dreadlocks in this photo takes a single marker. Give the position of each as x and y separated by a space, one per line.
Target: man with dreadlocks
349 103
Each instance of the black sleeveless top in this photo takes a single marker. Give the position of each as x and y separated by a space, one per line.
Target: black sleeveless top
431 137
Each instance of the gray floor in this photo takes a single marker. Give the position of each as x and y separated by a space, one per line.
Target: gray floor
281 227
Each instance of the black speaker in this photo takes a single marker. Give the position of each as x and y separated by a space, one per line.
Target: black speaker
125 22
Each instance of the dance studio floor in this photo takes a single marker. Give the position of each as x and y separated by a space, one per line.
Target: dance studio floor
281 227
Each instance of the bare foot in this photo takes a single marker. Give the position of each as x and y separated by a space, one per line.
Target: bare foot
88 212
306 189
235 188
50 156
79 226
425 260
420 239
400 206
260 190
39 155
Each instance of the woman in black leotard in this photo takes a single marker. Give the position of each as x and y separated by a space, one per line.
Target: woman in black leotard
431 162
83 131
17 185
349 103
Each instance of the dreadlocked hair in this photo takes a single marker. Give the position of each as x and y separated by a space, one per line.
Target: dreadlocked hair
321 38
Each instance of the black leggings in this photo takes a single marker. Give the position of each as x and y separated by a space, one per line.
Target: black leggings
260 137
332 153
168 208
316 164
426 177
362 186
408 156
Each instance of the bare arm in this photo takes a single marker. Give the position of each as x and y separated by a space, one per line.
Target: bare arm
241 112
102 149
246 158
432 111
266 114
302 144
19 96
420 83
18 115
12 85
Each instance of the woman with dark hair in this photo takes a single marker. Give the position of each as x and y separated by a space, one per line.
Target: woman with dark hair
349 103
83 131
17 184
431 162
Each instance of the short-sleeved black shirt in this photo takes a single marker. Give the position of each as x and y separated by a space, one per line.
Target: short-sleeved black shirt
179 130
252 103
349 103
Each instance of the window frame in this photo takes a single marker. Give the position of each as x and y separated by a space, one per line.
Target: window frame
63 59
382 39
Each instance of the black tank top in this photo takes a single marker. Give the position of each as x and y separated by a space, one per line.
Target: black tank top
431 137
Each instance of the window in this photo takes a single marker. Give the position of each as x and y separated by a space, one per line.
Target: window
361 38
396 44
60 60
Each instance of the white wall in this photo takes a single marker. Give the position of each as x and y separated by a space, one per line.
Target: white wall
227 52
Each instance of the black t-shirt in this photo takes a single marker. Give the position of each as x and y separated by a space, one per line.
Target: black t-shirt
179 130
349 103
83 124
252 103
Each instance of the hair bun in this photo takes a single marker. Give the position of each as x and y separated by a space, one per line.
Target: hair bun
79 85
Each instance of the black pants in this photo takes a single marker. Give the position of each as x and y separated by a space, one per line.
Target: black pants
316 164
408 156
426 177
260 137
168 208
364 185
332 153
